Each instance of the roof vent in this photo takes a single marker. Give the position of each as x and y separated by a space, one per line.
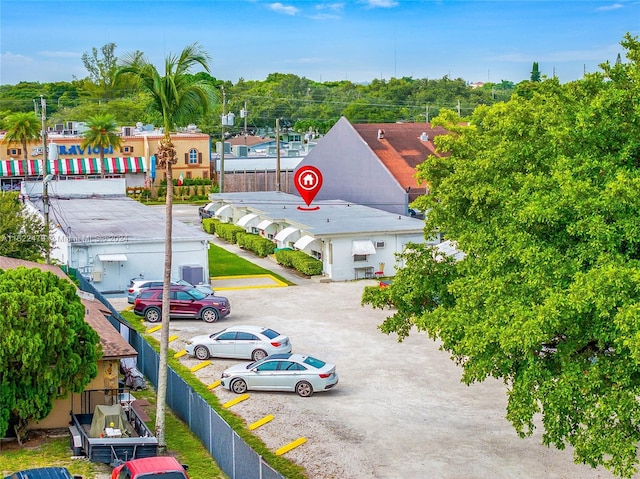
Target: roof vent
380 134
424 136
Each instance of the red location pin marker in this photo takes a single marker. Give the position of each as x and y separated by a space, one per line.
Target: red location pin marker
308 181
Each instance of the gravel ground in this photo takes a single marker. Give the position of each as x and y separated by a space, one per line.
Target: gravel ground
399 410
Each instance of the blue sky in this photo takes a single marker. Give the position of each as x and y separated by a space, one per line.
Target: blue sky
323 41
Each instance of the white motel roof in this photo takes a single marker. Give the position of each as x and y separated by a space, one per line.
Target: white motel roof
332 217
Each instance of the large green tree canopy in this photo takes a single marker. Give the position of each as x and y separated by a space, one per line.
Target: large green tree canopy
47 349
542 194
22 233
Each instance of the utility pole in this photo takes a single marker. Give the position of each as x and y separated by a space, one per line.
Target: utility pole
223 122
277 154
45 177
243 114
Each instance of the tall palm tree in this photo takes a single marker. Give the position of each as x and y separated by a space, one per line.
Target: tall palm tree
22 127
102 133
178 98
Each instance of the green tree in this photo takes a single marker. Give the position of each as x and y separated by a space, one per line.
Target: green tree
47 349
541 194
535 72
102 133
22 233
178 98
22 128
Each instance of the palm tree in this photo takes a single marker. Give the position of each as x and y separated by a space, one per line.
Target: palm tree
178 98
102 133
22 127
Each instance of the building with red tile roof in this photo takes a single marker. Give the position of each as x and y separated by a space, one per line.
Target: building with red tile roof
373 164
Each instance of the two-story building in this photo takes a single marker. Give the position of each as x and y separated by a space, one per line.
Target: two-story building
135 160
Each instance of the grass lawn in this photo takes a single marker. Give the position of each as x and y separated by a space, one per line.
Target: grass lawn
224 263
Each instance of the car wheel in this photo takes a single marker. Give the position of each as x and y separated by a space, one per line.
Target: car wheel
152 315
209 315
304 389
258 354
238 386
201 352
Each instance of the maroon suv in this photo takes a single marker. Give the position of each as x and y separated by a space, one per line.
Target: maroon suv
185 302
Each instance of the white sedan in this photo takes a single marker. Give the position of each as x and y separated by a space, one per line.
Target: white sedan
282 372
243 342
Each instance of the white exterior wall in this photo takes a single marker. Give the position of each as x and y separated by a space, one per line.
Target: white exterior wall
337 257
144 259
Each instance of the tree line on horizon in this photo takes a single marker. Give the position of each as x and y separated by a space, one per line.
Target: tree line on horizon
297 102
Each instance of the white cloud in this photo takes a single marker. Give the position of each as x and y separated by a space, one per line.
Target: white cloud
613 6
280 8
60 54
380 3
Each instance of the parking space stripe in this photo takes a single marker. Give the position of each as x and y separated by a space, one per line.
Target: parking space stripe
261 422
292 445
203 364
233 402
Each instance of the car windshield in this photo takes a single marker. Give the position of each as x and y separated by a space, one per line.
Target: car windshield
196 293
316 363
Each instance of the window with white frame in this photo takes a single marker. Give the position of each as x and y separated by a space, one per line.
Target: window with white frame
193 156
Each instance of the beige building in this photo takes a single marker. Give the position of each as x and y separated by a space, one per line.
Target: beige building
134 160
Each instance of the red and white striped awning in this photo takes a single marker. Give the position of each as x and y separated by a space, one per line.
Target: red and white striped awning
73 166
76 166
20 167
126 164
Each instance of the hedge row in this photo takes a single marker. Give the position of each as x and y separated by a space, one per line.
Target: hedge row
300 261
228 231
260 245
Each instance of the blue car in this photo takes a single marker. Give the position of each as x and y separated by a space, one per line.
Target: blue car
44 473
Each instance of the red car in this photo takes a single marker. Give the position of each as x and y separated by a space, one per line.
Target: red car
160 467
185 302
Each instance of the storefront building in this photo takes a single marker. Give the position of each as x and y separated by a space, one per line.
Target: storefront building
135 160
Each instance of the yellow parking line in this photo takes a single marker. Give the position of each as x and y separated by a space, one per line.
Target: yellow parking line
261 422
233 402
292 445
214 384
173 338
154 329
180 354
203 364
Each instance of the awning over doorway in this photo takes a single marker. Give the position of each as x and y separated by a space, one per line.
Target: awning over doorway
264 224
285 233
246 219
303 242
363 248
222 209
116 257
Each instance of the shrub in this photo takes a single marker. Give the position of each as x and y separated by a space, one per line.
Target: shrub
228 231
209 225
259 245
300 261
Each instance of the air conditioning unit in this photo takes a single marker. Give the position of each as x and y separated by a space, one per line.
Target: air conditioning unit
194 274
127 131
96 276
379 244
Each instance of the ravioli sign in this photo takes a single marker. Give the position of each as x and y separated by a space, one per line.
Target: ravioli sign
308 181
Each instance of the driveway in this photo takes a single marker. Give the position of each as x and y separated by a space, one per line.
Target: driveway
399 410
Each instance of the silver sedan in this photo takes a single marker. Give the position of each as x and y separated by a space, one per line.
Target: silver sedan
282 372
243 342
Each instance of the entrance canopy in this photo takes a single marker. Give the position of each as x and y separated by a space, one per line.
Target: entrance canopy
118 257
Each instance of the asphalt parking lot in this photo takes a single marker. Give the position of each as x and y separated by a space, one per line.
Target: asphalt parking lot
399 410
